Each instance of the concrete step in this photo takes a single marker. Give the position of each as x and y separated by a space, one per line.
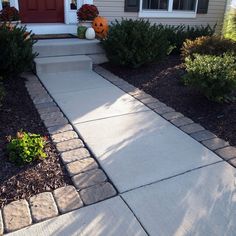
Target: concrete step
63 64
67 47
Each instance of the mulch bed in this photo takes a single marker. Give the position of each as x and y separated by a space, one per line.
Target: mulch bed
162 81
18 112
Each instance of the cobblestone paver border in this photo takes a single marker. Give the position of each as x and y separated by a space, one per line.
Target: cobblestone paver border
91 184
196 131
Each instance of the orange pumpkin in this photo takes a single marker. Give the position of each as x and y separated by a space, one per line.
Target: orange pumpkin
100 25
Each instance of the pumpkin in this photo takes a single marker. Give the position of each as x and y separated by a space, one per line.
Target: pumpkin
90 33
100 25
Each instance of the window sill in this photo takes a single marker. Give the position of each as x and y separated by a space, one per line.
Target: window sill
166 14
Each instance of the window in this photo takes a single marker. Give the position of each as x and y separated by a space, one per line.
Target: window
168 8
155 4
185 5
73 5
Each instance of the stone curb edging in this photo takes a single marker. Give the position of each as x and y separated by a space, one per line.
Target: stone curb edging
91 185
219 146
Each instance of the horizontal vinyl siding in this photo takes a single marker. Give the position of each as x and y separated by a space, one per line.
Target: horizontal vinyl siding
114 9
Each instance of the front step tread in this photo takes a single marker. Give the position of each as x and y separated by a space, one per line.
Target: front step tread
61 59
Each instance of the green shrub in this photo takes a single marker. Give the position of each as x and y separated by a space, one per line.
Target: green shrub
26 148
176 35
133 43
214 76
16 50
230 25
208 45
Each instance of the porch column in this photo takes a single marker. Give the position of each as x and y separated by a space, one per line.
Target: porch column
14 3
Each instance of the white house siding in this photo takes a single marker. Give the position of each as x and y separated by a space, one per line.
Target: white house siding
114 9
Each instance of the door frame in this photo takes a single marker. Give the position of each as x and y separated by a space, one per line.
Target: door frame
70 16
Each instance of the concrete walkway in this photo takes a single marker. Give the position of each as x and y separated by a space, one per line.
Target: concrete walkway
168 183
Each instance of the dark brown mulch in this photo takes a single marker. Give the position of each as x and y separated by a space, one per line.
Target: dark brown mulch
162 80
18 112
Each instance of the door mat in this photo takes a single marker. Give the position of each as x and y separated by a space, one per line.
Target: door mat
53 36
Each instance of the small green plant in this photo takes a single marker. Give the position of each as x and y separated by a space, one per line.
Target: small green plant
134 43
25 148
208 45
16 47
176 35
214 76
81 30
230 25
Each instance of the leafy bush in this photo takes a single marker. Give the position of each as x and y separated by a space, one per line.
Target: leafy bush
214 76
26 148
176 35
135 42
9 14
230 25
210 45
16 46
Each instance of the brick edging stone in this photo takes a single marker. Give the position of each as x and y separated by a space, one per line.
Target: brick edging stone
90 183
217 145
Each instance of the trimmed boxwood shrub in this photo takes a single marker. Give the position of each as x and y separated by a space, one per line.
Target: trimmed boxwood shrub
176 35
209 45
214 76
230 25
16 47
134 43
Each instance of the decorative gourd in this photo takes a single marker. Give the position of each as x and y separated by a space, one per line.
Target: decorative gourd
81 32
90 33
100 25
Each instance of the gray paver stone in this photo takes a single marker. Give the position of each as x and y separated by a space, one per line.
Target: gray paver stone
1 224
39 94
181 121
88 179
57 138
227 152
163 109
43 207
67 199
59 129
142 95
172 115
191 128
42 99
80 166
69 145
128 88
55 121
16 215
46 105
203 135
74 155
155 105
52 115
150 100
48 110
215 143
97 193
232 162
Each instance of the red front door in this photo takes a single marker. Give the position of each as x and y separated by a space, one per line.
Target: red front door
41 11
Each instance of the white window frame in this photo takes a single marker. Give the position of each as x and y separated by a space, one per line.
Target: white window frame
169 13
